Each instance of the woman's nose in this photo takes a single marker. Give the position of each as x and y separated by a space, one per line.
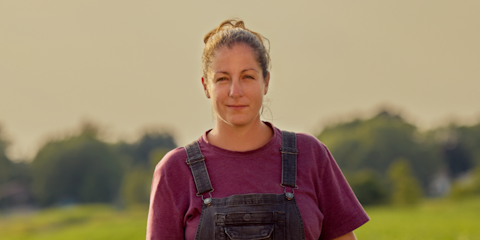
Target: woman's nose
236 89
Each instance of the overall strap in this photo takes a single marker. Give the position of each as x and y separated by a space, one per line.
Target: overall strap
289 159
196 162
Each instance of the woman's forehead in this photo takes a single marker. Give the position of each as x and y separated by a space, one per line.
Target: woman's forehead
236 55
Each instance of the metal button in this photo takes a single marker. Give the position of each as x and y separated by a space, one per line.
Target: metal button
207 201
247 217
289 195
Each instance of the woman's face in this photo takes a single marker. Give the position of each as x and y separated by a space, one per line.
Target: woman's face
236 86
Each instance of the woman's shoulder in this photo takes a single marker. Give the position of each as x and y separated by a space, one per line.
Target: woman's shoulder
305 140
172 159
308 142
311 148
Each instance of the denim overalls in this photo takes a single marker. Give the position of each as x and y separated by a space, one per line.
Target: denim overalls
249 216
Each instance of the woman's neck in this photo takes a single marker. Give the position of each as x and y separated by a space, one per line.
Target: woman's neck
240 138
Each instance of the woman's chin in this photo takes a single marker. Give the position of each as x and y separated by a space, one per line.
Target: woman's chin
239 122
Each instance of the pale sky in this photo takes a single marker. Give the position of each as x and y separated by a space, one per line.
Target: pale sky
132 64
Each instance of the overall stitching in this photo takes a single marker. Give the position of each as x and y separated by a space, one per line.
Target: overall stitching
249 216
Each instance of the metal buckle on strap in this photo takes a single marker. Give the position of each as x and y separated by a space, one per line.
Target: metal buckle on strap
206 201
289 151
289 195
190 163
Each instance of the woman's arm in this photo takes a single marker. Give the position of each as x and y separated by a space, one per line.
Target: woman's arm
341 209
348 236
169 197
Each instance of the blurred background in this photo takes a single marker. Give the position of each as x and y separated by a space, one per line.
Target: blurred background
94 93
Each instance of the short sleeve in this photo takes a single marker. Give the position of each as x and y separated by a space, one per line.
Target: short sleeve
343 213
168 198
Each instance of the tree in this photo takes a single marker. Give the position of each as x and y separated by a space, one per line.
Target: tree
368 187
137 182
79 168
139 152
406 190
15 179
472 142
5 164
375 143
468 139
467 186
459 147
136 186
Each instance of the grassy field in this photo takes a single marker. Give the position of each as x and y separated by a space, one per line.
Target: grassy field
434 219
93 222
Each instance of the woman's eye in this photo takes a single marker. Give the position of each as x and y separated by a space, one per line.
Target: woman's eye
248 76
221 79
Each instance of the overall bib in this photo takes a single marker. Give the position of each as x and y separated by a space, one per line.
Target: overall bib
249 216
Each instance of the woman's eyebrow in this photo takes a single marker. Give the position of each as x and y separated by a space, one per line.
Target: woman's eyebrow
250 69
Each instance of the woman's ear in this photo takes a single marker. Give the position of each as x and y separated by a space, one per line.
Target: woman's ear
267 81
204 84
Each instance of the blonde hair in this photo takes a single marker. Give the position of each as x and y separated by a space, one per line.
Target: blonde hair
229 33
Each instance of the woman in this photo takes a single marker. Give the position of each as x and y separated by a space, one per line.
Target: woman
246 179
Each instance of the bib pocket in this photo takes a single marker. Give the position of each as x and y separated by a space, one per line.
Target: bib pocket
250 225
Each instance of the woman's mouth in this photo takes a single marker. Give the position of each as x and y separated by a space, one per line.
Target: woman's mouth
237 107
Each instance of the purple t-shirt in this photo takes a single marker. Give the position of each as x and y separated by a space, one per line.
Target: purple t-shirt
328 206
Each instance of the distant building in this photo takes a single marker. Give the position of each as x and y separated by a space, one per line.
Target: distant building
440 185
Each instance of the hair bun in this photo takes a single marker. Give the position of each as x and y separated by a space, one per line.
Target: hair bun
234 31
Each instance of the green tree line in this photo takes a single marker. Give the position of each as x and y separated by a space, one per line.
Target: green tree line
385 158
83 168
389 160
